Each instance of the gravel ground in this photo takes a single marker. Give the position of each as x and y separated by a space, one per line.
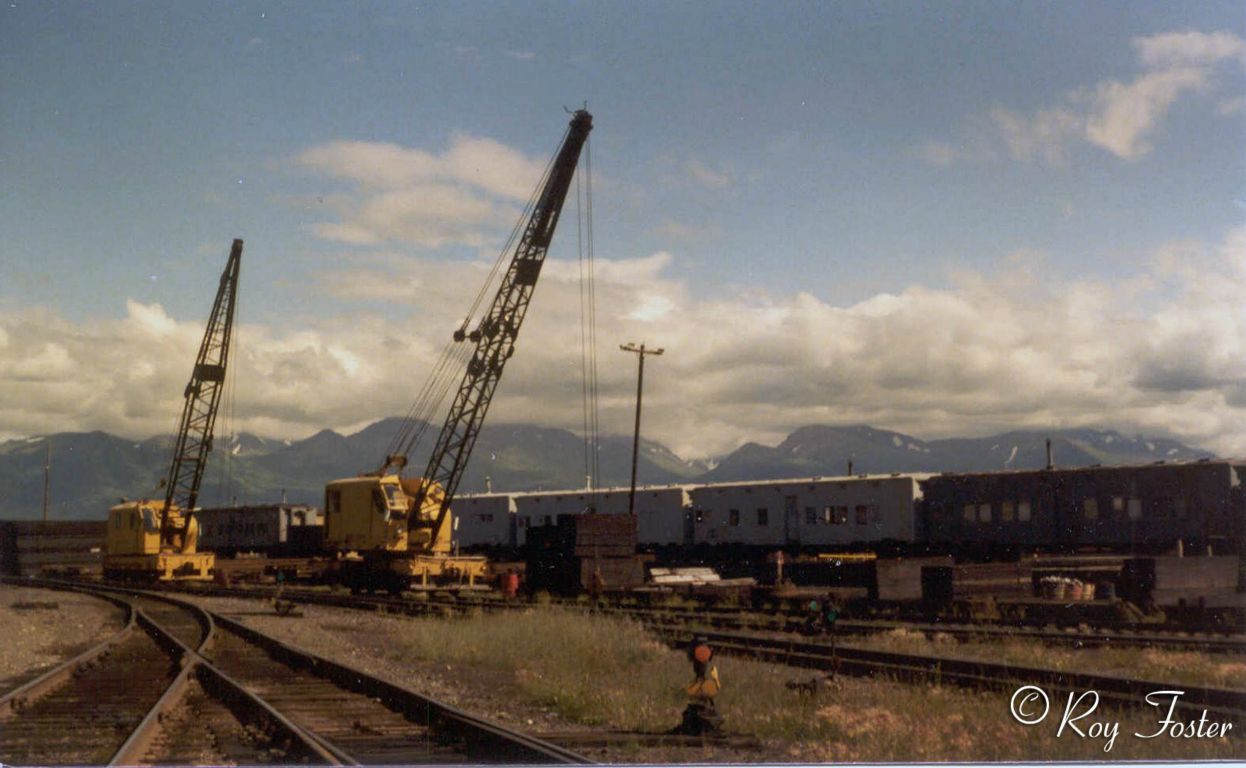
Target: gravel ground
40 637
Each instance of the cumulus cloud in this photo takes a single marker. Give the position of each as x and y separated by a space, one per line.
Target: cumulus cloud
406 195
1013 347
1119 117
1125 114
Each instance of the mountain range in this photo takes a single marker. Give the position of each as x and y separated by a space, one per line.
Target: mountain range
93 470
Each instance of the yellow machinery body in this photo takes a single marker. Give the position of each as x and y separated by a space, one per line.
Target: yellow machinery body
133 550
367 520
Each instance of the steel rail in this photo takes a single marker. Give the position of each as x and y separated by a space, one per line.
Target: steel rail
970 673
859 661
246 706
738 620
482 736
27 693
485 740
41 736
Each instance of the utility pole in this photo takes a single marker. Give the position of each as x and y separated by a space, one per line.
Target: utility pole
640 384
47 476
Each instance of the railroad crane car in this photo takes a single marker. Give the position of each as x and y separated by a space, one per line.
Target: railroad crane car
157 539
394 532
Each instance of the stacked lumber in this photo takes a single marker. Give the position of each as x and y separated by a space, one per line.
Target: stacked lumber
29 547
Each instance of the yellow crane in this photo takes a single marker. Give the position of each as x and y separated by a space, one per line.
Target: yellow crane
155 539
394 532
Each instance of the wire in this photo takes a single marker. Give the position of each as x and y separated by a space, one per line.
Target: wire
455 354
592 309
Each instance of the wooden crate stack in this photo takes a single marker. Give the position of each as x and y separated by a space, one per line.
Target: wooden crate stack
563 558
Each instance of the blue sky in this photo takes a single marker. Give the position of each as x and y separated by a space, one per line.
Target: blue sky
787 159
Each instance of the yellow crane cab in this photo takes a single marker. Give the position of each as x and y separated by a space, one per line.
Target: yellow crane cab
367 519
134 550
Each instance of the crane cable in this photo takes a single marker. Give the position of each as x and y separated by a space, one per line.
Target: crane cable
454 356
588 319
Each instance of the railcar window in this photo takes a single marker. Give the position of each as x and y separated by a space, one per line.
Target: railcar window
763 517
841 515
984 513
828 515
1180 506
1135 509
1007 511
970 512
862 514
811 515
486 518
1118 503
1023 511
733 517
332 503
1090 508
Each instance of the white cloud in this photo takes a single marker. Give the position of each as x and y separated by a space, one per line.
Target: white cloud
1014 347
1180 49
1124 115
420 198
1119 117
1045 135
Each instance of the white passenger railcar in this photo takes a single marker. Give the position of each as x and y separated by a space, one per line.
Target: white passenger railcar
497 519
660 509
810 512
485 520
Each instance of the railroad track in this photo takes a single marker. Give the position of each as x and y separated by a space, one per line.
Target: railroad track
723 619
979 675
904 667
1200 643
181 685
